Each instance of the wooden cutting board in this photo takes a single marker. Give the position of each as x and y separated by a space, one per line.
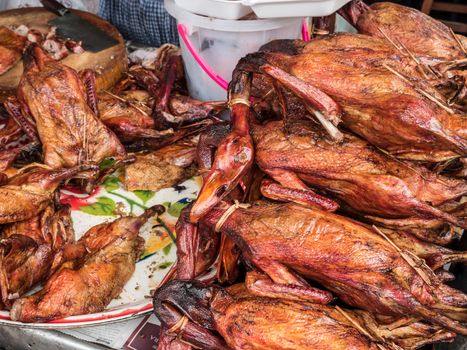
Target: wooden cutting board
108 64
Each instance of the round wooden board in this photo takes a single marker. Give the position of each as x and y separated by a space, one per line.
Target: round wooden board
108 64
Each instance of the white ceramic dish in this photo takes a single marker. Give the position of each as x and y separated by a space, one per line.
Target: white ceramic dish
103 205
224 9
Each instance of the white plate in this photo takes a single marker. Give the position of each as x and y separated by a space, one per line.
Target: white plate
104 205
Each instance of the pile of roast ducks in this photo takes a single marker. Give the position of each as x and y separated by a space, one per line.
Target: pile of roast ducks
330 195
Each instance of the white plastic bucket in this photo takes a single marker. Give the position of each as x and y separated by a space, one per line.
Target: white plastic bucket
212 47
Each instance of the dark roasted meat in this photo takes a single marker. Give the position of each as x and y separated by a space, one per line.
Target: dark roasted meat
355 262
247 320
94 280
163 168
366 77
367 180
31 250
31 191
62 108
128 120
431 40
11 48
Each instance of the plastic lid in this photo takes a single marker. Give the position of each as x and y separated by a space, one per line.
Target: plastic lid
191 19
294 8
223 9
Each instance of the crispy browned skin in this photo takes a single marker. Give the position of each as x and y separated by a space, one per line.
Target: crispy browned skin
378 105
53 226
247 320
128 120
56 98
434 230
162 168
373 97
434 255
31 250
10 131
356 263
91 284
30 192
365 179
420 33
11 48
276 324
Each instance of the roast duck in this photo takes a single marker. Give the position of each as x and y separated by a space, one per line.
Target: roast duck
424 36
331 194
59 130
246 319
70 133
11 48
374 145
92 279
358 263
388 129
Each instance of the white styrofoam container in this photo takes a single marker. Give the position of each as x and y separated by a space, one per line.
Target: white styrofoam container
294 8
225 9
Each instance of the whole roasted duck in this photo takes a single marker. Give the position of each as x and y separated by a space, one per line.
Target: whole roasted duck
368 181
359 264
194 314
27 194
440 55
32 250
373 97
62 109
431 40
91 281
284 149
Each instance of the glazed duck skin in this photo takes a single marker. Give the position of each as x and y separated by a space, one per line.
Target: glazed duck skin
357 264
365 179
423 35
246 320
95 279
163 168
31 250
68 128
28 193
433 231
262 323
376 103
440 53
434 255
11 48
128 121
